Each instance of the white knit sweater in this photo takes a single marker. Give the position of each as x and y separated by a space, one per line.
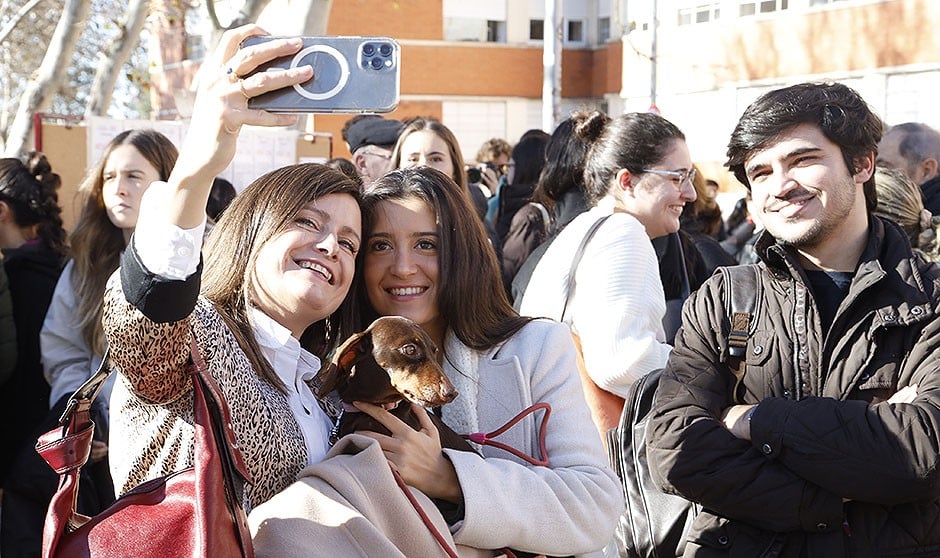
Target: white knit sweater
618 305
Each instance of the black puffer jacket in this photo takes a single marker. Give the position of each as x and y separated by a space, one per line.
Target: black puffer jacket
822 432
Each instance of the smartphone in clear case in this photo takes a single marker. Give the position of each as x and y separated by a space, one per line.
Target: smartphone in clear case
350 74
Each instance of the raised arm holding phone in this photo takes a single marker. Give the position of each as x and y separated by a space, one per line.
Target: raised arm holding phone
278 265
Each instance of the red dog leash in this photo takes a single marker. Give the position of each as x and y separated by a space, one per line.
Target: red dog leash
485 439
424 517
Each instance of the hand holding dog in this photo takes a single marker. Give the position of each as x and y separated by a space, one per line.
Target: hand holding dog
415 454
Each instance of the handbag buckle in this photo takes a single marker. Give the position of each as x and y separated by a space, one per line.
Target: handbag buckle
67 413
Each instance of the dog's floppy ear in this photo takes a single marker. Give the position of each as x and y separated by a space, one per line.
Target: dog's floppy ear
327 378
353 349
347 355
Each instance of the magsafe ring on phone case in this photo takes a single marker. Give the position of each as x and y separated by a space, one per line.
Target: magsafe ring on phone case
329 67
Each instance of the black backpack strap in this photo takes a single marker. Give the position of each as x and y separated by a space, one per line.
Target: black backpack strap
742 299
579 253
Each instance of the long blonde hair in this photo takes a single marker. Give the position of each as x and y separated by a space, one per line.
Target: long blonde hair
899 200
96 243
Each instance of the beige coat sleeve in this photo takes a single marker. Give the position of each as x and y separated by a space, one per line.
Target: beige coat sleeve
348 505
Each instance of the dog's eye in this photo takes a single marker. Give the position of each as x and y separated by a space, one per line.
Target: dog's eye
410 349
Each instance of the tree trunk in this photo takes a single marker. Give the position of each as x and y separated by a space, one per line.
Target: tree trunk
170 75
40 90
111 62
318 15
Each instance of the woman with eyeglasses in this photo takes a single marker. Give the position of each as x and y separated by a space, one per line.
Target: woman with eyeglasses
638 177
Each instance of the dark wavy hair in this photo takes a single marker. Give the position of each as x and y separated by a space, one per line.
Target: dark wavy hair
837 110
633 141
472 300
528 156
261 211
30 189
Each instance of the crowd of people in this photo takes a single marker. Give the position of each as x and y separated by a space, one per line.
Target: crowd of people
558 270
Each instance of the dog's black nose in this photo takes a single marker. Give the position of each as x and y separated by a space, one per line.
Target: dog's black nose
448 392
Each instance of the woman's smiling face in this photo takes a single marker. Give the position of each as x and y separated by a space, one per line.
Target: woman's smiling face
402 262
657 199
303 273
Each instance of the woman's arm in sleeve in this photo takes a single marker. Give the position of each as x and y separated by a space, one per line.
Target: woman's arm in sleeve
569 507
148 302
66 358
618 306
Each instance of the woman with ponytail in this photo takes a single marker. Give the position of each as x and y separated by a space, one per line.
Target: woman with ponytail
34 249
638 176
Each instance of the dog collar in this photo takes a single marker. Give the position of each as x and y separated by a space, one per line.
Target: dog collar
350 408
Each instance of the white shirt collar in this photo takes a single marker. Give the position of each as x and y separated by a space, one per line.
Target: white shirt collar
290 361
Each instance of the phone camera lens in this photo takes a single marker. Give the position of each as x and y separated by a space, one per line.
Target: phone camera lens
368 49
385 50
377 63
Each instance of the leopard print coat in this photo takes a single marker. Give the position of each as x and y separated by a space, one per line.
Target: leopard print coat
152 403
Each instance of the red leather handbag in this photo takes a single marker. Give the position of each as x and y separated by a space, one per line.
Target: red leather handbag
196 512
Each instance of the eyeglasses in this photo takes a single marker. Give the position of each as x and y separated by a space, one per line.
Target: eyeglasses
678 177
385 156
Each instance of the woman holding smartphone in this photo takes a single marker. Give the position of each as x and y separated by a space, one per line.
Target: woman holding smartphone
265 306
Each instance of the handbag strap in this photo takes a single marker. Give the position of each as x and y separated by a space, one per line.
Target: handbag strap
67 449
546 218
683 269
579 253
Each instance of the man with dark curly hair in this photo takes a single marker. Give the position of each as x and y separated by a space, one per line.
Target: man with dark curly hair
829 445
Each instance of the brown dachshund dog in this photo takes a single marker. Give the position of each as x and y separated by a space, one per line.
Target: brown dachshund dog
392 360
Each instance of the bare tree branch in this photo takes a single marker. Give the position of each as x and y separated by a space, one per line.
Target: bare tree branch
39 91
317 16
213 16
111 62
249 12
20 14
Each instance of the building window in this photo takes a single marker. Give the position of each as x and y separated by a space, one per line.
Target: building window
472 29
574 31
536 29
495 31
702 13
823 2
603 29
763 7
